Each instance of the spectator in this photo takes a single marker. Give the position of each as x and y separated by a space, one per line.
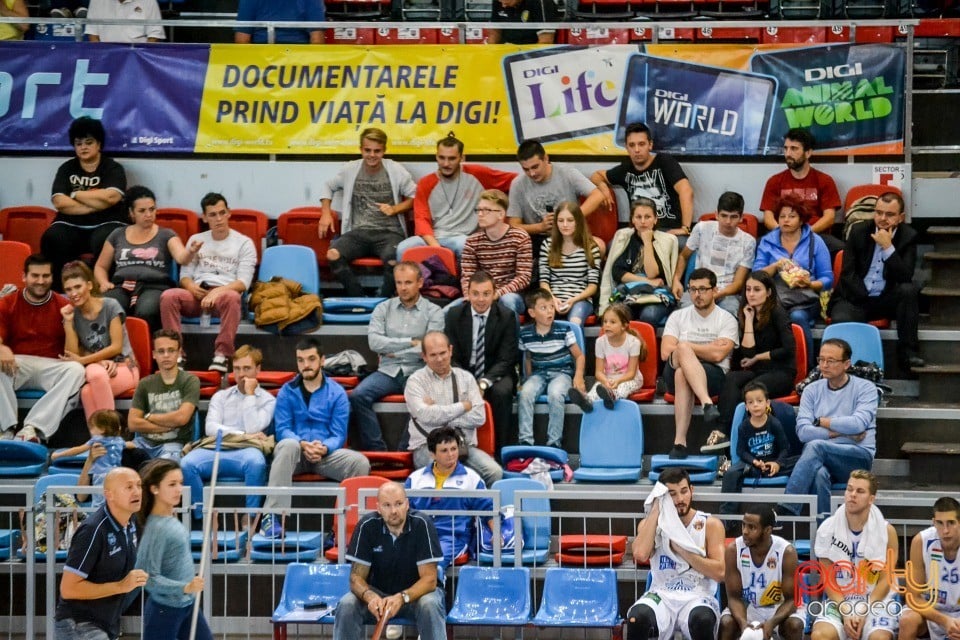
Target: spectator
162 413
619 351
440 396
500 250
657 176
134 12
555 362
522 11
444 206
96 337
800 258
87 194
395 553
377 193
32 339
99 572
876 280
641 260
13 9
837 423
724 248
141 256
767 354
215 281
64 8
814 187
396 329
311 421
243 413
483 335
696 346
105 434
288 11
570 264
446 471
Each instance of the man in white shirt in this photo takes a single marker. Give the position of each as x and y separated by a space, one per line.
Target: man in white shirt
136 11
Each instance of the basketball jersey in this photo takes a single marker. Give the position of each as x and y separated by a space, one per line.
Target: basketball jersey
664 569
762 583
845 577
948 588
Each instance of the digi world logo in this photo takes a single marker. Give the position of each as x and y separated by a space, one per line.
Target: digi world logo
564 93
854 582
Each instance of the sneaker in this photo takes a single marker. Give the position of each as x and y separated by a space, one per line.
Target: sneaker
578 398
61 12
710 414
716 441
28 434
679 452
724 466
270 526
80 13
393 631
607 396
219 363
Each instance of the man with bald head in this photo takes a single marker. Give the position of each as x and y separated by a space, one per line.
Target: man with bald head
395 553
99 571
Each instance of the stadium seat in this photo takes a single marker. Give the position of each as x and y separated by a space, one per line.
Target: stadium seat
864 190
419 254
349 310
494 596
26 224
749 222
210 382
390 465
9 543
596 10
271 381
354 10
603 223
352 486
486 436
738 416
579 598
800 339
40 501
592 550
521 451
702 469
231 546
139 333
71 464
536 529
882 323
293 262
251 223
864 340
611 444
648 366
11 267
22 459
310 595
184 222
296 546
299 226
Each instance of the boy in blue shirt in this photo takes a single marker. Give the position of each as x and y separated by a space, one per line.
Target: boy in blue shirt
553 360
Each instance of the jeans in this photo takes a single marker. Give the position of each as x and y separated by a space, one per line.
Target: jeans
70 629
652 314
161 621
557 383
246 464
454 243
821 464
168 450
429 612
514 302
372 389
477 459
579 311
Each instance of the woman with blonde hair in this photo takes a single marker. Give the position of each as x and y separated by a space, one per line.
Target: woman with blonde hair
570 264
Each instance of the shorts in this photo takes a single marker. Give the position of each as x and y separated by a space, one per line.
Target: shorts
715 377
759 615
673 608
872 622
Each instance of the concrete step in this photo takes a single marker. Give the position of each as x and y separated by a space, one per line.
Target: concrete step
932 462
945 238
938 382
944 304
944 268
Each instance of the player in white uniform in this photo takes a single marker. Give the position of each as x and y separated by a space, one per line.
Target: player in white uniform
845 622
938 543
679 601
760 568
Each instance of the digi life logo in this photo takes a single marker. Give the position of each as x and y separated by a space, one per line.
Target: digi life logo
564 93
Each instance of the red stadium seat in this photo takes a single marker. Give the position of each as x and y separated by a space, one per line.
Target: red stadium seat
11 266
882 323
251 223
26 224
648 366
489 177
801 357
864 190
352 515
139 333
271 381
183 221
390 465
299 226
419 254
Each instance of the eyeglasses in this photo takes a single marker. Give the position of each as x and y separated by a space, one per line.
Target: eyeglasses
698 290
829 361
482 210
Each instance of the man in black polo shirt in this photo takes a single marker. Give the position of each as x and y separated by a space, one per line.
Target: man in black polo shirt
395 553
99 572
522 11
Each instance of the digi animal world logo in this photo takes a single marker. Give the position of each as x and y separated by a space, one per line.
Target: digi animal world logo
814 577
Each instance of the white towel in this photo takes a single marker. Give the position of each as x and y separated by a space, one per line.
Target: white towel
670 528
833 537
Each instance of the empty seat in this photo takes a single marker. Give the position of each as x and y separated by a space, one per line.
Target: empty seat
579 598
26 224
251 223
349 310
11 267
299 226
183 222
611 444
22 459
420 254
592 549
498 596
310 594
702 469
293 262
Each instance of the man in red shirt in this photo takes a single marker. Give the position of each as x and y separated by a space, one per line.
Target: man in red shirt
816 187
31 343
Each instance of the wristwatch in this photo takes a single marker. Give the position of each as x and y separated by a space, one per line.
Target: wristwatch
405 596
816 422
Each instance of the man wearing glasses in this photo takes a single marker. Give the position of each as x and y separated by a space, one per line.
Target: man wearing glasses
876 280
696 347
837 423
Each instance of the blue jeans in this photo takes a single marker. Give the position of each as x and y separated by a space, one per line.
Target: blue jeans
167 450
454 243
429 612
70 629
652 314
246 464
557 383
372 389
805 318
821 464
579 311
161 622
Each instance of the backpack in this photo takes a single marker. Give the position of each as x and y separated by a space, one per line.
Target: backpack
346 363
861 211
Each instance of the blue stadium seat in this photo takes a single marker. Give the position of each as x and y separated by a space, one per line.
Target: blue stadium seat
347 310
536 529
303 546
294 262
40 501
231 545
550 454
311 593
70 464
864 340
22 459
492 596
738 415
579 598
9 543
702 469
611 444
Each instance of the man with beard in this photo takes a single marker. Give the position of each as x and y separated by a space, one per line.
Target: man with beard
760 569
311 418
31 343
682 595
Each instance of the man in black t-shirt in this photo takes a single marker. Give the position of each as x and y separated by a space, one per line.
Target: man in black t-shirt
522 11
655 176
395 553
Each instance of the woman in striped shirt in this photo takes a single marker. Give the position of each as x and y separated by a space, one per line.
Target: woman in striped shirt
570 264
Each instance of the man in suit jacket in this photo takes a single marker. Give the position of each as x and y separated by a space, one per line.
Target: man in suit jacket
876 280
496 370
